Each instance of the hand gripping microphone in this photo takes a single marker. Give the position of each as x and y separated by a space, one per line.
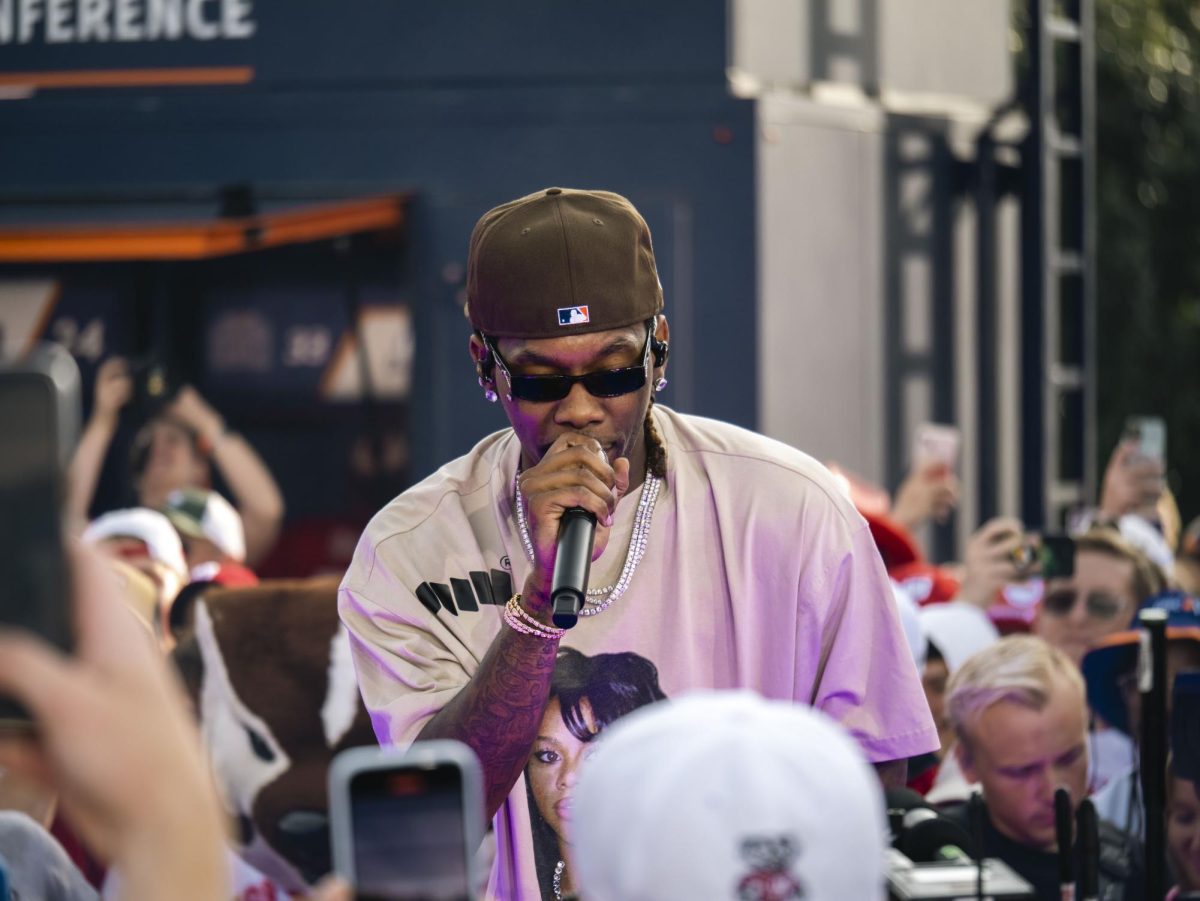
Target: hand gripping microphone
572 563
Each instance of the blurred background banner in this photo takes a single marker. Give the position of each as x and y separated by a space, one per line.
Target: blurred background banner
867 216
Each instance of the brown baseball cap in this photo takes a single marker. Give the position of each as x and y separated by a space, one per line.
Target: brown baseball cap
561 262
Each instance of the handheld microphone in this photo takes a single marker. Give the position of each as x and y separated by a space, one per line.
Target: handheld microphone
1089 852
1062 833
572 563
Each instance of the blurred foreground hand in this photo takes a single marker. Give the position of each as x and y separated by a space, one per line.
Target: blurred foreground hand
114 740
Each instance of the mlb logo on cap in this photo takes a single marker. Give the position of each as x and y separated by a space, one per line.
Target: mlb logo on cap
573 315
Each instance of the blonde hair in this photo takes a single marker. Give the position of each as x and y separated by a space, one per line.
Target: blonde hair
1021 668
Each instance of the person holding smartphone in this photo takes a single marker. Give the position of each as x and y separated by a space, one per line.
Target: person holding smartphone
176 449
1135 477
1111 579
724 558
113 740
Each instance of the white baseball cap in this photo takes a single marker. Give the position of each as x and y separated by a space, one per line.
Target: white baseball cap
146 525
910 621
958 629
726 795
201 513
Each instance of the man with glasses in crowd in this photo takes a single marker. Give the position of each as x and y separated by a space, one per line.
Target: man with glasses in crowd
723 558
1112 579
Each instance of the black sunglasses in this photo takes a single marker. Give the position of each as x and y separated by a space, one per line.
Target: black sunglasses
546 388
1099 606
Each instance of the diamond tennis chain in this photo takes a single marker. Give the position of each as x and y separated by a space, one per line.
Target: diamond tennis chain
599 599
559 868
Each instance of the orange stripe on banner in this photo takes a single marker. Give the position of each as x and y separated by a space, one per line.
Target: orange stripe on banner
198 240
129 78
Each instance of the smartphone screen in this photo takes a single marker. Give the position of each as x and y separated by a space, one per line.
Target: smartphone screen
936 444
1057 555
409 834
34 591
1150 433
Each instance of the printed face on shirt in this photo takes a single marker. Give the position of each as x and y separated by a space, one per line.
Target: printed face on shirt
588 693
615 422
554 766
1021 755
1183 831
1095 602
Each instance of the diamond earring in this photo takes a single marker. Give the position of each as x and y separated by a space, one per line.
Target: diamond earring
660 384
489 393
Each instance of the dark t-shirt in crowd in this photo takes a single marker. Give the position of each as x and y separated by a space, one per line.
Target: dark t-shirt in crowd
1120 875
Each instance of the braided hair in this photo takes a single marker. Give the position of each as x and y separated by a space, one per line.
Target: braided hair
656 451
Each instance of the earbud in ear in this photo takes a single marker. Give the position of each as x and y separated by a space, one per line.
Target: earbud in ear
485 362
659 350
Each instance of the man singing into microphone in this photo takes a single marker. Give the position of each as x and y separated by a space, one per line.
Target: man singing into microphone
721 557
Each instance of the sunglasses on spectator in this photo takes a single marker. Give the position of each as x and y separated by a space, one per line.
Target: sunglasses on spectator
602 383
1099 606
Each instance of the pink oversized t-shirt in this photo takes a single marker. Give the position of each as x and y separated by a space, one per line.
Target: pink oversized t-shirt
758 573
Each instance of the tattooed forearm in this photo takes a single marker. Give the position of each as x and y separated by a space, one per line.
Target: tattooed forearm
498 712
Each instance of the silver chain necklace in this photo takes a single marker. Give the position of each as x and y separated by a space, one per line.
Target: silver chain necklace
599 599
558 875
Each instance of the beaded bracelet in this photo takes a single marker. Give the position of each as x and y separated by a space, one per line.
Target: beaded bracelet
520 621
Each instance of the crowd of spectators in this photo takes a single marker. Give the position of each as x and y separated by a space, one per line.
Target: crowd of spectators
115 798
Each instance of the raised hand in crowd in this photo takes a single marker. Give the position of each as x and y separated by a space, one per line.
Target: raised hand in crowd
927 492
259 501
114 740
197 414
180 446
1133 483
114 389
989 564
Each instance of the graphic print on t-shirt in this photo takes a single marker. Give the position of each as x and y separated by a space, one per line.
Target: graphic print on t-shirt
587 694
493 588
